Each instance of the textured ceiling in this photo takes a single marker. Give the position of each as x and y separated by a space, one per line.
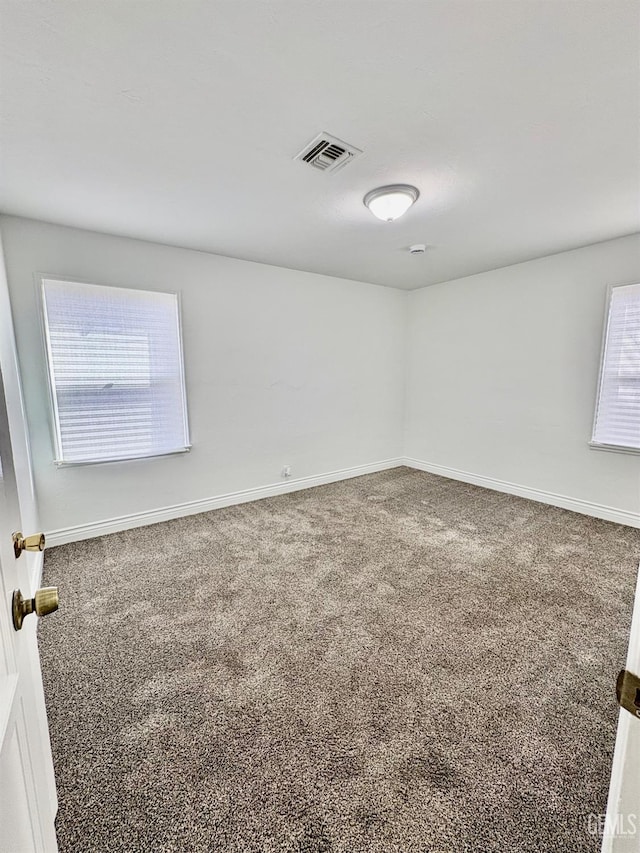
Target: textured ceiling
177 122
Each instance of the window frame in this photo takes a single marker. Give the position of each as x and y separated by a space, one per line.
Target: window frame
54 418
593 444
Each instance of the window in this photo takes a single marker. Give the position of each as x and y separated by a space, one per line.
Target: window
617 421
116 372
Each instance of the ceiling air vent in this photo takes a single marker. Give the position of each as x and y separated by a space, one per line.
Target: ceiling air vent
327 153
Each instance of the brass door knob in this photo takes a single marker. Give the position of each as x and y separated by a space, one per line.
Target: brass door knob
27 543
43 602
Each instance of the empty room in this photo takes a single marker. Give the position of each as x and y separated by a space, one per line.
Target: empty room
319 426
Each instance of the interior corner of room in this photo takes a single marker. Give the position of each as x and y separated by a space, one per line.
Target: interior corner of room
489 379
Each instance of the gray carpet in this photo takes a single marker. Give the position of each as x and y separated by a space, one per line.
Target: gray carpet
394 664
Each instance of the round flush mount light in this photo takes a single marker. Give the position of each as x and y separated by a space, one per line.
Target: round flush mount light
388 203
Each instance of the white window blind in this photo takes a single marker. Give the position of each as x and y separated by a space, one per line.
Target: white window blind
617 421
116 372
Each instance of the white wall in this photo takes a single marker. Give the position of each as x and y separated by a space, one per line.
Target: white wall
502 373
282 367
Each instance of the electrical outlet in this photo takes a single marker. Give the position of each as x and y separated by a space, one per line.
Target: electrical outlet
286 471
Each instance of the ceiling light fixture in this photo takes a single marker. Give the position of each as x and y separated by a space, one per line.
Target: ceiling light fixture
388 203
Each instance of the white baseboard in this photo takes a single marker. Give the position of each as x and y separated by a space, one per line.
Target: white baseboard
140 519
609 513
126 522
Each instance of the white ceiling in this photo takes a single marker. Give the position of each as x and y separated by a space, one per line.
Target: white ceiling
177 122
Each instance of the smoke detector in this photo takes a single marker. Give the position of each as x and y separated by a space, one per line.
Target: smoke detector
327 153
417 249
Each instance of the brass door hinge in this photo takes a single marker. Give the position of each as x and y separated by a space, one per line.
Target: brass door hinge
628 692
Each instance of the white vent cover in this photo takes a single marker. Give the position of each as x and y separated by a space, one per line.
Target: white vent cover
327 153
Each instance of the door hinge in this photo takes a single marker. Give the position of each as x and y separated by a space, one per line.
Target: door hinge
628 692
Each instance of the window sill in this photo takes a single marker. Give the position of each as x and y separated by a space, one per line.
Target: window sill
64 464
614 448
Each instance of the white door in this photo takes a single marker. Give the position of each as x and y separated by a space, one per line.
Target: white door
27 789
622 824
